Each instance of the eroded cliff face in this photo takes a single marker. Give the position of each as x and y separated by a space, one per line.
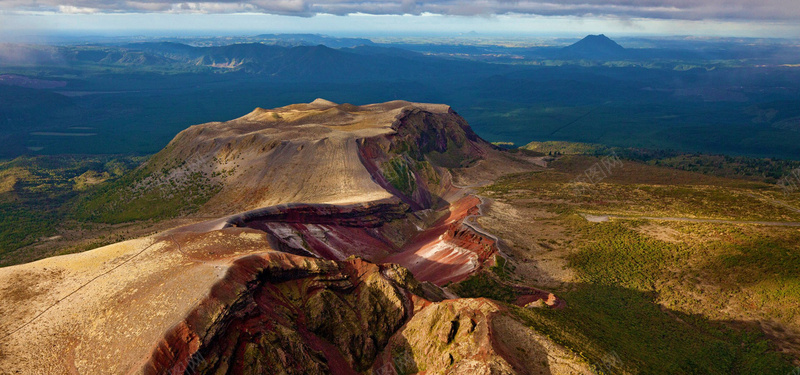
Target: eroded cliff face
473 336
411 161
281 313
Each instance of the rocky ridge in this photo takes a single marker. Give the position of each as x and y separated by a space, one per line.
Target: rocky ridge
344 209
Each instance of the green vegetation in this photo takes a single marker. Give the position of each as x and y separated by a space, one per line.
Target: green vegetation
566 148
741 167
637 189
617 115
605 320
21 226
665 297
38 195
621 256
627 275
453 156
398 175
484 285
44 196
502 268
144 196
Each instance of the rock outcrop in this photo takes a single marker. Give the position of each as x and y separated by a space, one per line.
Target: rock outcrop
473 336
283 313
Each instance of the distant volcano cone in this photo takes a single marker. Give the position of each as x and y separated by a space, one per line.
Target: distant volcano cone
594 47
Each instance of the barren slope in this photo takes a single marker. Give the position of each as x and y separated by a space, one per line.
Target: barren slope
310 153
272 284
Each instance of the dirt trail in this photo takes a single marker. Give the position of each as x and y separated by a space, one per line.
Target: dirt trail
604 218
775 202
471 221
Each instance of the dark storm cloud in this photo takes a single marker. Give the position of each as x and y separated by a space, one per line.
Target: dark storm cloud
779 10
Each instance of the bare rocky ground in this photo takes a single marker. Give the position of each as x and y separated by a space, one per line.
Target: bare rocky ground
278 288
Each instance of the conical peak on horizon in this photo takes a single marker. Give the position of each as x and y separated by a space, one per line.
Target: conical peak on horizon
599 39
598 47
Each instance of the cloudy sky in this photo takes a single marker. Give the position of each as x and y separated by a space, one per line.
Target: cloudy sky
777 18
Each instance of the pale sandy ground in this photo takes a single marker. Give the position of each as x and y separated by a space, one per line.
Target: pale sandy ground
290 154
72 313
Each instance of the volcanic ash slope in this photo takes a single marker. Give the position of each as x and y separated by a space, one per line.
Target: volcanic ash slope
271 284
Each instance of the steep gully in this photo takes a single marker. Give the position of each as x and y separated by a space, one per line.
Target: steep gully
315 311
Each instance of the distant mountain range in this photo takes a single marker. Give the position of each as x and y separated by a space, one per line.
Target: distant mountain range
507 92
302 62
318 62
293 40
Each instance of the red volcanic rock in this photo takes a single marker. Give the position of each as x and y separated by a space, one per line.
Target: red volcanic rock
301 315
453 336
362 215
473 336
449 251
333 232
530 297
282 313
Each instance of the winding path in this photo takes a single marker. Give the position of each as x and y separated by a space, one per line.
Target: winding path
76 290
471 221
604 218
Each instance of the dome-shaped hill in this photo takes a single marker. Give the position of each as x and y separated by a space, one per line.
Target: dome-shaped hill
319 152
307 202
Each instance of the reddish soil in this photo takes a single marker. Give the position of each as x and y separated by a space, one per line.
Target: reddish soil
262 311
448 251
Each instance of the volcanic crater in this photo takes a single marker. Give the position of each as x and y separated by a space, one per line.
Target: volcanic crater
334 230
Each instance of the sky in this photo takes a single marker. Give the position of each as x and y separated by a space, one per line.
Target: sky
735 18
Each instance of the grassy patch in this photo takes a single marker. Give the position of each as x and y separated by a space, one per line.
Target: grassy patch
604 319
636 189
39 193
399 175
130 199
557 148
21 226
621 256
502 268
768 170
667 297
483 285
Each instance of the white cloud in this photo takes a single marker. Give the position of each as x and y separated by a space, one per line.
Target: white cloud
69 9
780 10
